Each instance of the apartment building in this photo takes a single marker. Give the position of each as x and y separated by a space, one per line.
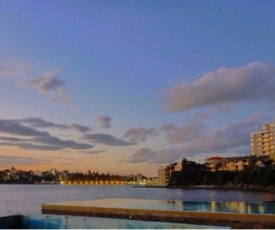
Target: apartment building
164 172
227 163
162 177
262 143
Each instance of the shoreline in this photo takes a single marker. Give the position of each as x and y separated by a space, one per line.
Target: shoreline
245 188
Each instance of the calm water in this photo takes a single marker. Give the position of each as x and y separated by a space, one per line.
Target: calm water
27 199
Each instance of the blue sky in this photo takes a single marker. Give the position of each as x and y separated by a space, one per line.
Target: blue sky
125 86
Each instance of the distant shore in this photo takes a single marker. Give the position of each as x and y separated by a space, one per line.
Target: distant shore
247 188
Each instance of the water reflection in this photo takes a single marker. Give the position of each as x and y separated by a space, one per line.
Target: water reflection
234 207
176 205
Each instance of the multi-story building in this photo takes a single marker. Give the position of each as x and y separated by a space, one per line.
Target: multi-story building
262 143
213 163
162 175
227 163
165 172
236 163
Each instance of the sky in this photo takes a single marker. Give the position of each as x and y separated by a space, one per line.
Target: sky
126 86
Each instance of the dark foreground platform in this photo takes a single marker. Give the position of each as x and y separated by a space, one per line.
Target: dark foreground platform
77 222
161 211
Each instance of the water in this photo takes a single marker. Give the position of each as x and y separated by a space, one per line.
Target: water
27 199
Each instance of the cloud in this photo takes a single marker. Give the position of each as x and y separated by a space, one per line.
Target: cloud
49 82
79 128
94 152
226 139
147 155
104 122
255 81
14 160
142 155
140 134
50 141
10 127
45 143
30 138
12 139
185 133
14 69
106 139
40 123
223 139
168 127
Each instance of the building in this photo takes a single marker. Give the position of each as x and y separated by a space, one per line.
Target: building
165 172
262 143
236 163
213 163
162 175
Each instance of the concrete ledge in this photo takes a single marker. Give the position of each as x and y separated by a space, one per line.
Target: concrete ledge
234 220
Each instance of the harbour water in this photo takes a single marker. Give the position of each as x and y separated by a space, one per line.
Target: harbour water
27 199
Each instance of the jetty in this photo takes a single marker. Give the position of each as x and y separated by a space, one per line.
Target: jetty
170 211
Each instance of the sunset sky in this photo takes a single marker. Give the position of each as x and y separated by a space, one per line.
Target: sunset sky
125 86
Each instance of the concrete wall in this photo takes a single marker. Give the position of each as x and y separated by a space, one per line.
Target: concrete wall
82 222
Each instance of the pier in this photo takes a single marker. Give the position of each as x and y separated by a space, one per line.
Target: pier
162 211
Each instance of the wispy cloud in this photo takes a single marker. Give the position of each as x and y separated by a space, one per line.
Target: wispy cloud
106 139
167 127
60 144
225 86
10 127
49 82
143 155
94 152
6 160
15 70
184 133
148 155
104 122
215 140
193 139
31 138
140 134
40 123
79 128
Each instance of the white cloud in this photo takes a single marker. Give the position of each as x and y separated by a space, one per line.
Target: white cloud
255 81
